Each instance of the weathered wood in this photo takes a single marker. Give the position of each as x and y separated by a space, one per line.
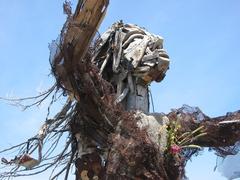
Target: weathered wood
117 50
138 58
77 34
86 20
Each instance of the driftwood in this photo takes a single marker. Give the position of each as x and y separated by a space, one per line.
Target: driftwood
130 58
106 140
76 36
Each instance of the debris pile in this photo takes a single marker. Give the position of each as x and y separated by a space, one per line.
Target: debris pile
130 58
106 81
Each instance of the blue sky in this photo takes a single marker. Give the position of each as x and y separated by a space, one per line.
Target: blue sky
201 37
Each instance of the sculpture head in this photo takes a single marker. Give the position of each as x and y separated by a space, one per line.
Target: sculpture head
131 58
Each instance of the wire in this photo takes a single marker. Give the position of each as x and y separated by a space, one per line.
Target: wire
152 103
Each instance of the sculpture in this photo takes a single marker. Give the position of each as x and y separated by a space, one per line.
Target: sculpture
104 141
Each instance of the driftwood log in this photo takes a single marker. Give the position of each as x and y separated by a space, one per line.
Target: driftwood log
108 140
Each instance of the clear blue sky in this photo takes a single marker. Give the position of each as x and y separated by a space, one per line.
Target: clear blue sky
201 37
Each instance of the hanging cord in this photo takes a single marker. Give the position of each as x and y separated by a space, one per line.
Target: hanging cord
218 163
152 103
